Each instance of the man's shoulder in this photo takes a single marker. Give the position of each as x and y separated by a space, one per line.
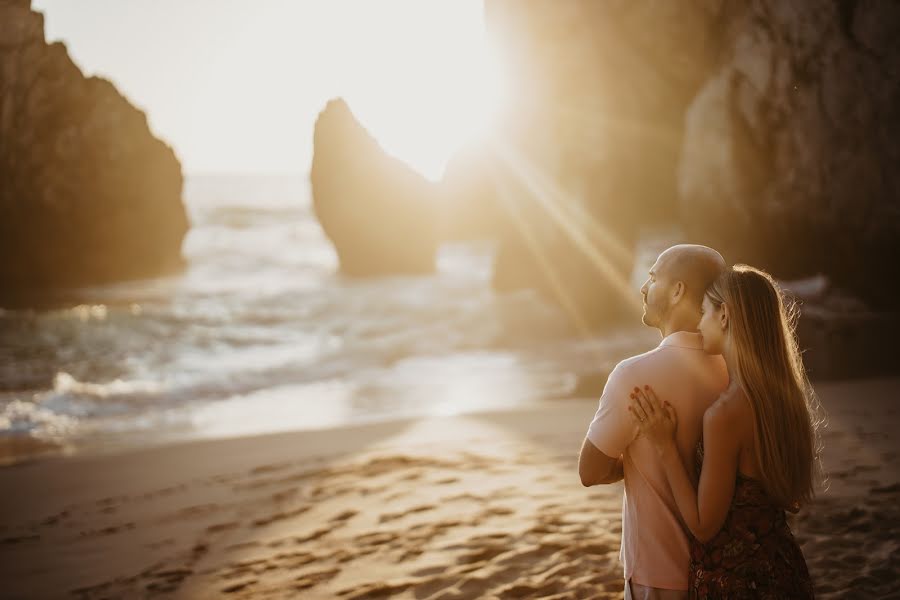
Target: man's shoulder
670 360
640 363
633 369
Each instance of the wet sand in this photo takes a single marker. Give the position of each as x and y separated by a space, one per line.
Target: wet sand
474 506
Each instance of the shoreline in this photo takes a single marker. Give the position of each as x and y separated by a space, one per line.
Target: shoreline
19 451
476 505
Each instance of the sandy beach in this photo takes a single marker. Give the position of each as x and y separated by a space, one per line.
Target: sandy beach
482 505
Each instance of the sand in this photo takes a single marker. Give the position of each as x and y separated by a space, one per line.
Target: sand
482 505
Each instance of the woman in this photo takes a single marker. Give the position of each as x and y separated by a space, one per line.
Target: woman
759 451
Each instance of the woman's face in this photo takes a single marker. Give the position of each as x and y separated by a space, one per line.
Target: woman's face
712 328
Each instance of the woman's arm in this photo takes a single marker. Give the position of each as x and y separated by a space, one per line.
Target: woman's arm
704 509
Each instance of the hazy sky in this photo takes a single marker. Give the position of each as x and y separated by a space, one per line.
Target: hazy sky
235 85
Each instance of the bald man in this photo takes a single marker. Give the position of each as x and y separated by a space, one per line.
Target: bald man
654 550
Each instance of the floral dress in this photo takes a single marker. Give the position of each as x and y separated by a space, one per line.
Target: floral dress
754 555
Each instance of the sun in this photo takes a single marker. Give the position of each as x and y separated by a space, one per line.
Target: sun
237 87
437 84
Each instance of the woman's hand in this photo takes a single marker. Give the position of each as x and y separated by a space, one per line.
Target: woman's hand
656 420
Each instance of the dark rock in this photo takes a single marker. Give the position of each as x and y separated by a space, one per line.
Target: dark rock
839 335
88 194
792 146
380 215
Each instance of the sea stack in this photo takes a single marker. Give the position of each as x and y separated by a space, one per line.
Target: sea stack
379 213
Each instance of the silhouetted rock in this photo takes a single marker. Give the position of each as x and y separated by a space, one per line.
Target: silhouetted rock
87 194
791 159
379 213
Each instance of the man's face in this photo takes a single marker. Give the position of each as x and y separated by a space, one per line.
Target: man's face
654 293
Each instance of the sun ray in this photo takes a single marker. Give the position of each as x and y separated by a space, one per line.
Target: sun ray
525 172
510 204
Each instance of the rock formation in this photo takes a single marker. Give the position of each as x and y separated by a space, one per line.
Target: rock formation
768 129
791 158
380 215
87 194
469 207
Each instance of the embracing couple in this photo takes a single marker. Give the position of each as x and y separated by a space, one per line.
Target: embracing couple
715 434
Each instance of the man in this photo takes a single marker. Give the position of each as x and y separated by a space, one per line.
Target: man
654 549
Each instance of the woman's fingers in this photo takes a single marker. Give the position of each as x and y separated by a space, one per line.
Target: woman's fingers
670 412
638 407
650 393
645 402
634 416
663 407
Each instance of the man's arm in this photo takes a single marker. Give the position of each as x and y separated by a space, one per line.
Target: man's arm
595 468
609 433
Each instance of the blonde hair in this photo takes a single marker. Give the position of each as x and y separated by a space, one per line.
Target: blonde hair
769 368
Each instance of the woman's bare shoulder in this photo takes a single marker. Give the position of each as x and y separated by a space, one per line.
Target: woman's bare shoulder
731 406
731 412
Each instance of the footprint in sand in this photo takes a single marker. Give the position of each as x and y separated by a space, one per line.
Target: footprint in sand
377 590
312 536
240 585
217 527
242 545
167 580
106 530
270 468
18 539
347 514
285 495
262 521
309 580
415 475
394 516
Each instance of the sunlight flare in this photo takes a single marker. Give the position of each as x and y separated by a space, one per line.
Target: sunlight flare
584 231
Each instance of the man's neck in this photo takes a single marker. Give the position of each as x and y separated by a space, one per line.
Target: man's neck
667 332
676 325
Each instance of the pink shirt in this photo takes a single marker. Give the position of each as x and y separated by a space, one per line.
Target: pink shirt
654 548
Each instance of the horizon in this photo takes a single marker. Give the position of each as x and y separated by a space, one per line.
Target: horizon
237 92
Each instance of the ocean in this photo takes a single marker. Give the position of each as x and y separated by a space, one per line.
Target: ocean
261 333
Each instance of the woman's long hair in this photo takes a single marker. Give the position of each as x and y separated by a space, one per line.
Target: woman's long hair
769 368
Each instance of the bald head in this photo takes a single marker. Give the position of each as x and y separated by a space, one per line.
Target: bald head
694 265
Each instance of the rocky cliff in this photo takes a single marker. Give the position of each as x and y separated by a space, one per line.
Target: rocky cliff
767 129
791 154
87 193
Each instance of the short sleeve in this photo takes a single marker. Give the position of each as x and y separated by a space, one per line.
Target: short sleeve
612 428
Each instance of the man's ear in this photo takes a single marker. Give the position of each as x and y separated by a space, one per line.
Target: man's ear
678 291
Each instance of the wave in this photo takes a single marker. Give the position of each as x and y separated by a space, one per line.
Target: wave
262 316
